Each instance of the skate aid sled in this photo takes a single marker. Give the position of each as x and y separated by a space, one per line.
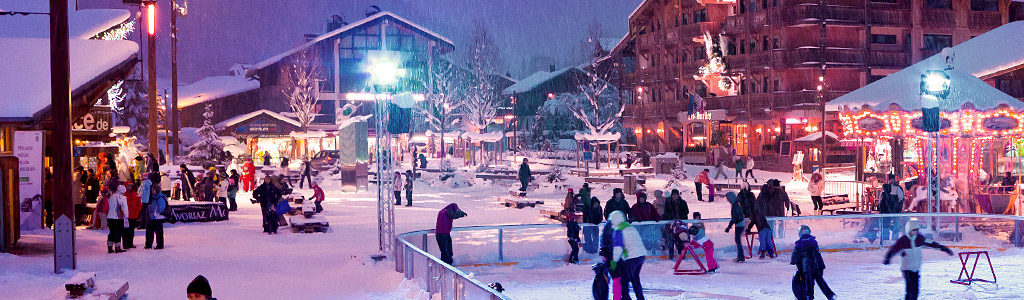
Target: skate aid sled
965 258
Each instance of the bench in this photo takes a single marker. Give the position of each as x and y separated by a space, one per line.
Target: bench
642 170
837 204
518 202
557 215
309 224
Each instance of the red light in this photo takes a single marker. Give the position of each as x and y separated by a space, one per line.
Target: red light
151 18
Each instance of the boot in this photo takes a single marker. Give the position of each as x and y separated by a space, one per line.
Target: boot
110 249
117 248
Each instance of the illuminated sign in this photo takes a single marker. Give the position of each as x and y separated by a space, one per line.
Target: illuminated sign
796 121
700 116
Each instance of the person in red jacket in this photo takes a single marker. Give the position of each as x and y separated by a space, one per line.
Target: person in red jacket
701 180
134 208
248 176
643 210
318 196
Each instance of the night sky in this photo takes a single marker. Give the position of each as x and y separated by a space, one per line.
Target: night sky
219 33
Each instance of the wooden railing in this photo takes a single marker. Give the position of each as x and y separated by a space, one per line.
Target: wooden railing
984 20
899 17
937 17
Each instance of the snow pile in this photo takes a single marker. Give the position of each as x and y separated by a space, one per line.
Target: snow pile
488 137
214 87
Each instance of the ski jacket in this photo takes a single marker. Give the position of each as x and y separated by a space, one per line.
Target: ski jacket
318 194
117 204
702 177
165 182
644 211
816 188
157 205
446 216
144 189
911 251
806 255
222 187
735 211
676 209
617 203
699 234
626 241
266 194
134 204
397 183
593 214
746 200
524 172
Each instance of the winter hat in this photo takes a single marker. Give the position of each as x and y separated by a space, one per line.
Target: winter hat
616 218
641 194
121 189
570 190
200 286
910 226
805 230
731 196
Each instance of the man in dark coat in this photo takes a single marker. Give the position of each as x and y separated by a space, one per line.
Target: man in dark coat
92 189
618 202
762 208
267 195
736 218
307 173
809 266
443 230
524 174
675 207
188 181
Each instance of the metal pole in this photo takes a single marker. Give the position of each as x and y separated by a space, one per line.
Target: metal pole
821 88
174 83
60 146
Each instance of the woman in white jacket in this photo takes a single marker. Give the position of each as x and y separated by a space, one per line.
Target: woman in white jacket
117 219
222 189
628 253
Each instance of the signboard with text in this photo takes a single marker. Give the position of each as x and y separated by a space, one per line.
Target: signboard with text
97 120
205 212
28 147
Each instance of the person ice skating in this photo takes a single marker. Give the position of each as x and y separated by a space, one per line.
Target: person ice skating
809 266
628 253
643 210
307 173
815 187
117 219
593 215
188 182
760 219
524 174
199 289
267 195
443 230
909 248
699 181
889 203
736 219
749 165
397 187
284 164
155 227
740 165
585 197
617 203
318 197
721 169
572 227
409 178
701 240
248 176
134 202
233 190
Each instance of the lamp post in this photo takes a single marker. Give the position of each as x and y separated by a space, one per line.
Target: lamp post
383 70
935 85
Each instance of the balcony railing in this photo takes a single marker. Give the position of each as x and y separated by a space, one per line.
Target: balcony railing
984 20
889 59
690 31
937 18
889 17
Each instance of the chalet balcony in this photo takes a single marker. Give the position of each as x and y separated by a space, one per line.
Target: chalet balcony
775 100
690 31
795 58
937 18
896 18
889 59
811 14
984 20
813 56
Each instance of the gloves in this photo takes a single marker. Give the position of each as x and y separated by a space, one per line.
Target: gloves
727 228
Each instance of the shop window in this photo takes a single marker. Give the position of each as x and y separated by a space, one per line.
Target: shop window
743 47
885 39
940 4
776 86
984 5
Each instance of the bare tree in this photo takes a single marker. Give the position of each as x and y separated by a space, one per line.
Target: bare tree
482 100
597 102
443 99
303 73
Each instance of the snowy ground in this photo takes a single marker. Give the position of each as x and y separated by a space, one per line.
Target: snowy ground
243 263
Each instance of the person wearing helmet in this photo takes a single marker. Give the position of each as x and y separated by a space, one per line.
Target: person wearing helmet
909 248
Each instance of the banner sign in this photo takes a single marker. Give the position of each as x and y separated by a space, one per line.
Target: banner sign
28 147
98 121
204 212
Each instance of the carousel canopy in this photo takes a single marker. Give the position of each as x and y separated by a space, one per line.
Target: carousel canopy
986 55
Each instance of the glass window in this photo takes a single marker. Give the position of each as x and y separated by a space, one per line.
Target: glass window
743 47
764 43
764 85
887 39
682 18
936 42
776 86
942 4
984 5
775 43
700 16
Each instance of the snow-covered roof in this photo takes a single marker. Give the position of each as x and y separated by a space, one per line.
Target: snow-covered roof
607 137
82 24
25 71
607 43
214 87
815 136
489 137
279 57
532 81
240 118
987 54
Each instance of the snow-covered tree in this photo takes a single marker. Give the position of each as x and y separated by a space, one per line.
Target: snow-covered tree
597 102
209 149
443 99
131 108
678 175
302 72
481 99
554 120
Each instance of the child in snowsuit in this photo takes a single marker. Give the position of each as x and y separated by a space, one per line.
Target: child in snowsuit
909 247
628 253
572 227
809 266
700 240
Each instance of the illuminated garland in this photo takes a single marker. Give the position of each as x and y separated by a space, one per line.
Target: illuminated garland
712 73
965 122
117 33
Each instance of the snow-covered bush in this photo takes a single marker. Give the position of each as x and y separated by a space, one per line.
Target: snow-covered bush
482 168
678 175
557 174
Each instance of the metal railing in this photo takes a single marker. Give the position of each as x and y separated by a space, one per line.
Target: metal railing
505 245
855 190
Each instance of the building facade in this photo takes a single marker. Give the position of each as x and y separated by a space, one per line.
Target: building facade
772 54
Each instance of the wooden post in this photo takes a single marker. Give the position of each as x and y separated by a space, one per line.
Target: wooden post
60 147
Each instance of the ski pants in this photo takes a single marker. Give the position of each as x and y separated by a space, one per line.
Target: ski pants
765 239
739 243
155 228
306 177
912 280
806 281
631 276
116 226
709 253
444 244
700 191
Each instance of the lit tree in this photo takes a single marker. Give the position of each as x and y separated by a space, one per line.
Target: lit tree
208 150
442 100
300 92
481 99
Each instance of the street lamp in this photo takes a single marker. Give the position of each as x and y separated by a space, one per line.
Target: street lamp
383 70
935 85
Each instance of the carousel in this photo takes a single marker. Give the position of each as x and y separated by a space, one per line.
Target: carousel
978 143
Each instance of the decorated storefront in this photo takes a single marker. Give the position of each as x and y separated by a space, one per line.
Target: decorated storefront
264 133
